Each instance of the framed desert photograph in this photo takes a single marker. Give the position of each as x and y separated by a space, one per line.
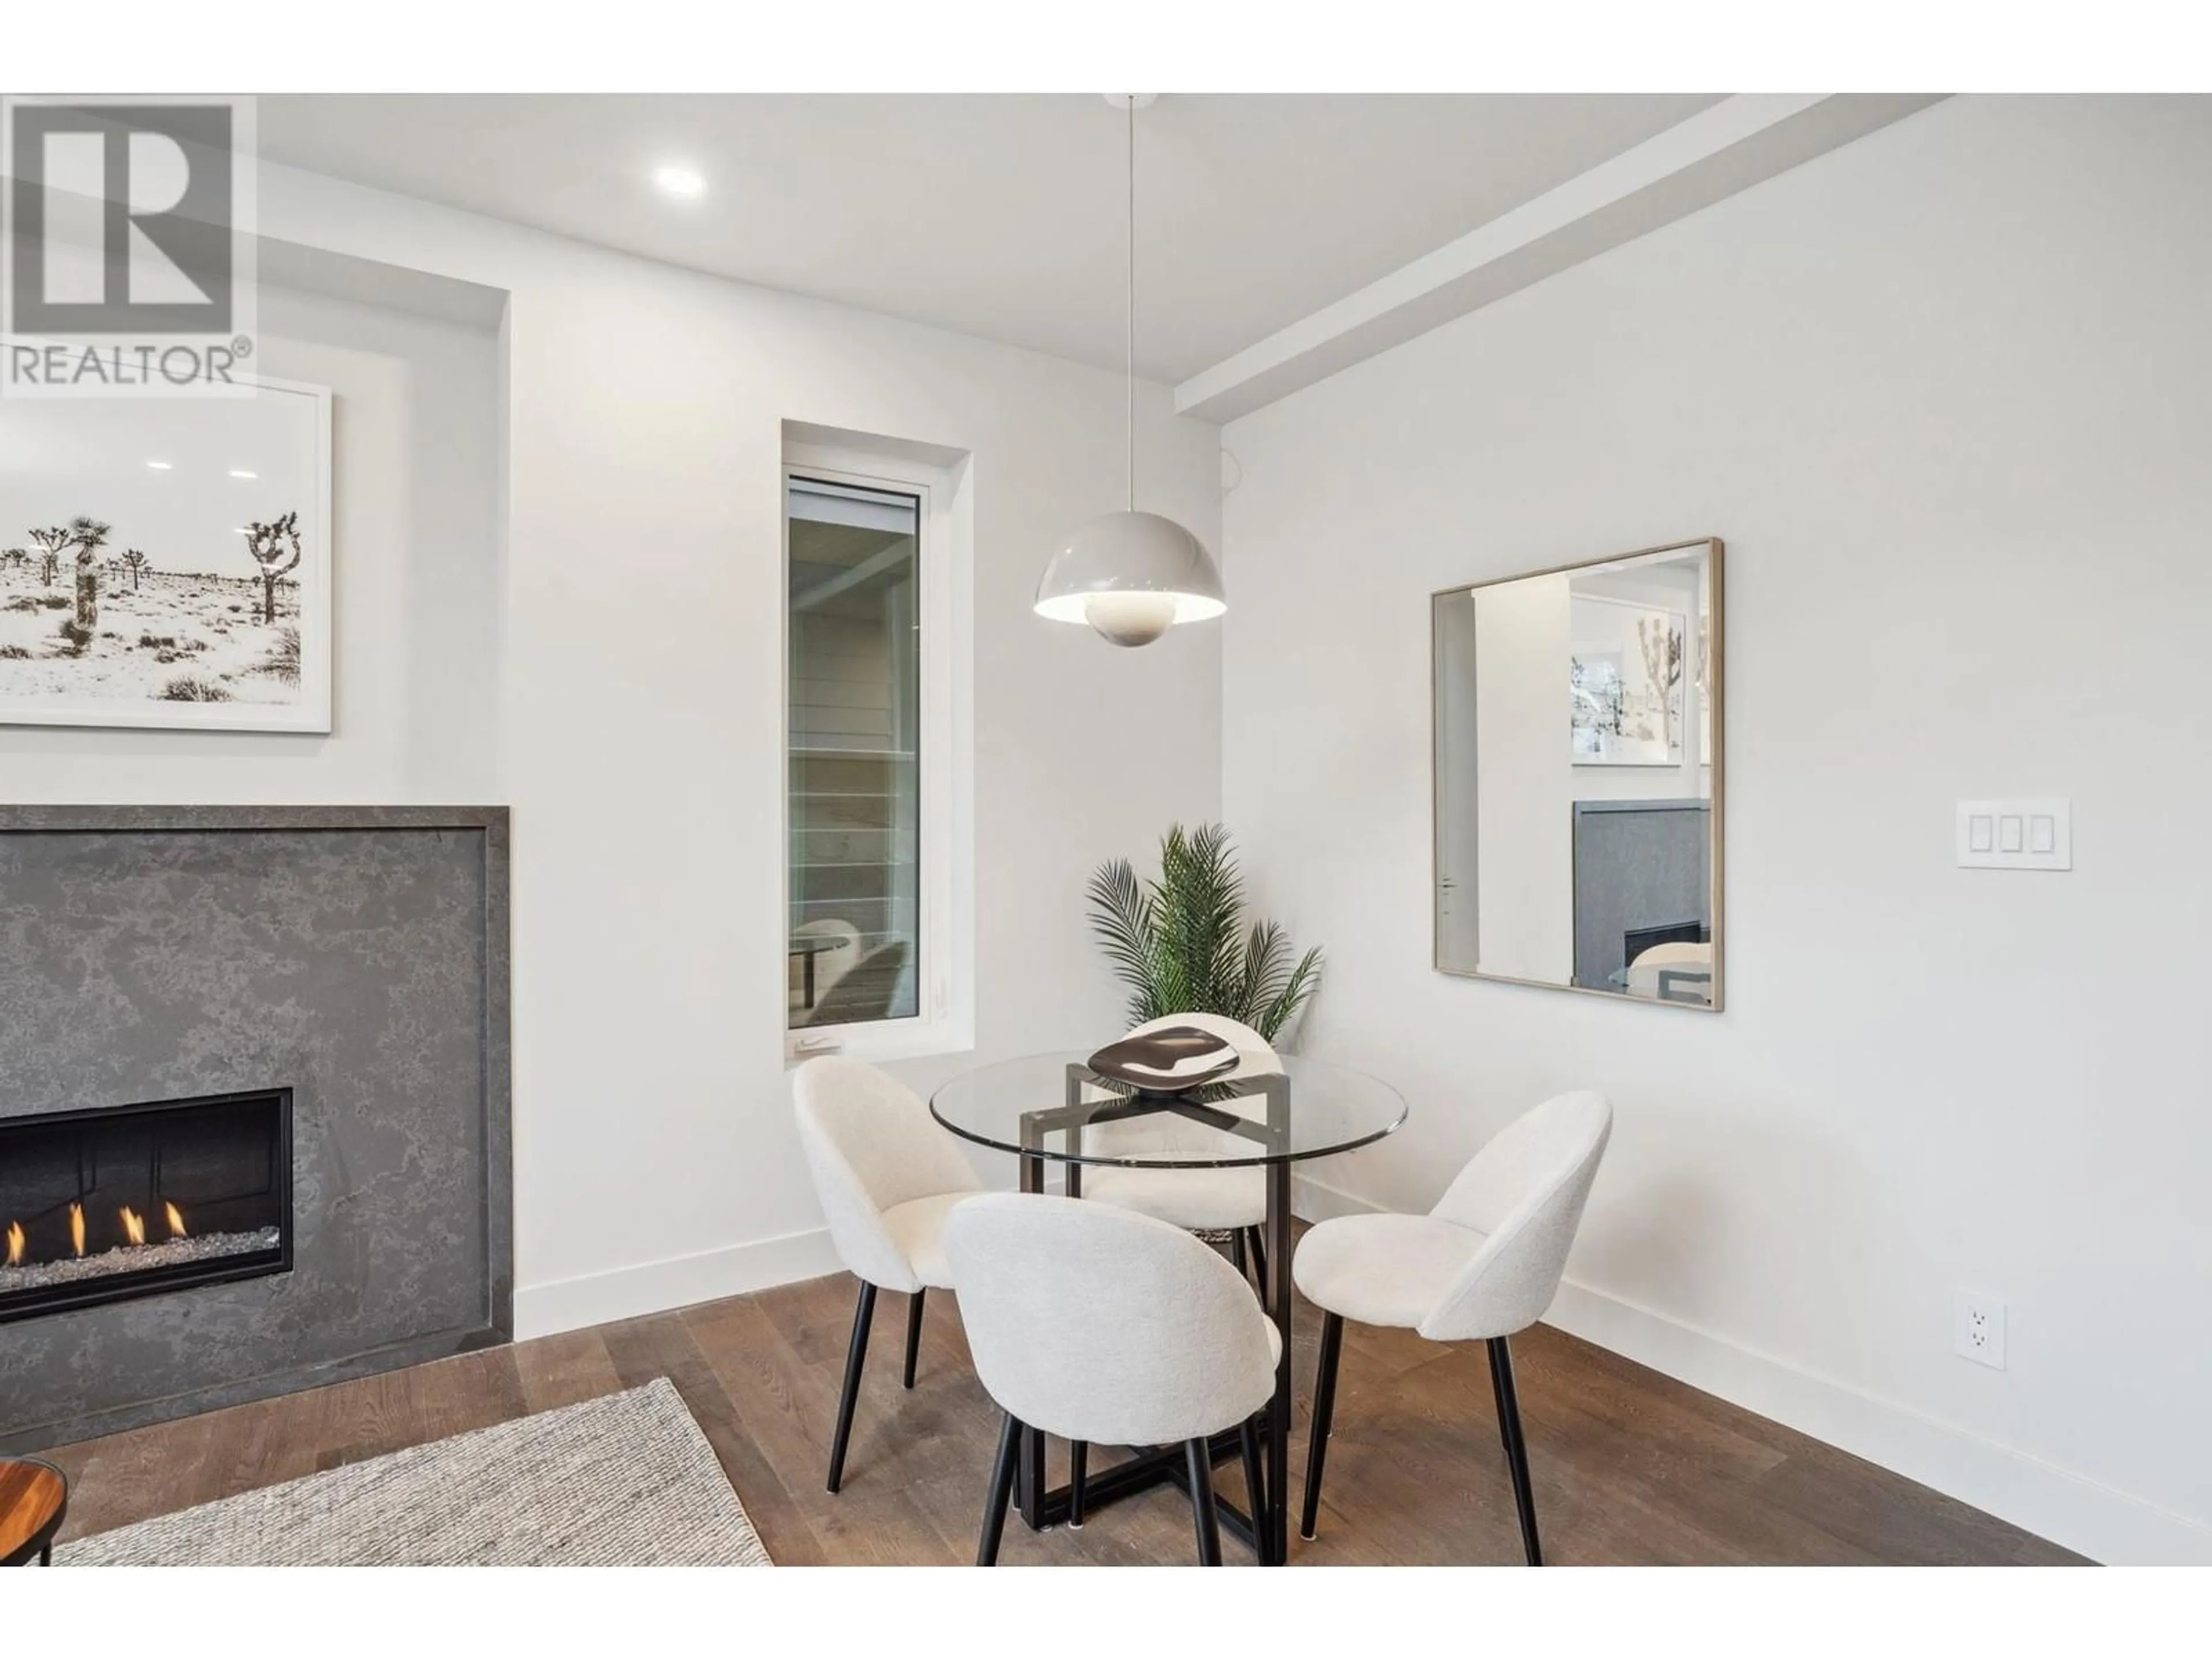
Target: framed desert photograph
1625 682
166 562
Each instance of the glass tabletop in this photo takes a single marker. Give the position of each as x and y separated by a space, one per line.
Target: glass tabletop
1054 1106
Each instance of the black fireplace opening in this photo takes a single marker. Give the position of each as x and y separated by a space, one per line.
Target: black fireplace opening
122 1201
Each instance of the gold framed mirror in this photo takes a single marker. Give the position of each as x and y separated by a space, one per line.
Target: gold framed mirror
1579 761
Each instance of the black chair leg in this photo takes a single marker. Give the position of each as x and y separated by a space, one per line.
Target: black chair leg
1236 1249
854 1355
1516 1449
1255 1486
1259 1259
1199 1454
1002 1489
912 1333
1324 1410
1079 1470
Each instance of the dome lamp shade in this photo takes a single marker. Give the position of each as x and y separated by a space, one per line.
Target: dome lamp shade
1131 576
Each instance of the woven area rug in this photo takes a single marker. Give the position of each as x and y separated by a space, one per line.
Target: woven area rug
626 1480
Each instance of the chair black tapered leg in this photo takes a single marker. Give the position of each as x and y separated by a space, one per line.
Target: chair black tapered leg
1259 1258
1255 1487
1324 1410
854 1355
1002 1490
1516 1449
1078 1471
912 1333
1236 1249
1199 1454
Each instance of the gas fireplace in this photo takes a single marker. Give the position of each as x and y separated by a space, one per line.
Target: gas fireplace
127 1201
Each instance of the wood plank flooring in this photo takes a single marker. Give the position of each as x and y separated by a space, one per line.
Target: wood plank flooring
1629 1466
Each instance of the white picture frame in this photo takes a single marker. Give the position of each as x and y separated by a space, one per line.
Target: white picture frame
181 641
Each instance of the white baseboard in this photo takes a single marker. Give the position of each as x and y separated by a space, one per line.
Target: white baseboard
1316 1200
2057 1504
568 1304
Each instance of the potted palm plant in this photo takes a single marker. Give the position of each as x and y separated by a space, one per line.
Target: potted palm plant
1179 943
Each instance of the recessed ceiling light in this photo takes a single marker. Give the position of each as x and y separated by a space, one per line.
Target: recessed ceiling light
159 466
241 472
679 182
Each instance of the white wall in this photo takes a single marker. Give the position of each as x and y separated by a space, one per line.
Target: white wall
643 741
417 589
1943 394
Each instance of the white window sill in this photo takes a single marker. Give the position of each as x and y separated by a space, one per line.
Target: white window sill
886 1043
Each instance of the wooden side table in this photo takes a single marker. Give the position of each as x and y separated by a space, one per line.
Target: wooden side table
33 1498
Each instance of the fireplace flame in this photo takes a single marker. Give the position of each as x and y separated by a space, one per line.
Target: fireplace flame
76 1227
133 1228
176 1221
14 1243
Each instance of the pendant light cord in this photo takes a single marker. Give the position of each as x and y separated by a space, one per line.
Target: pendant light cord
1129 342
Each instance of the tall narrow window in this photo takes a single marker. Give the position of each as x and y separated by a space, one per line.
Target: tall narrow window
857 896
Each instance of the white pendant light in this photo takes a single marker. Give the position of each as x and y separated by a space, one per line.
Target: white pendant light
1131 575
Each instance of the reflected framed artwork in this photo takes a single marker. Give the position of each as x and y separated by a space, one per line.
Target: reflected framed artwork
1623 682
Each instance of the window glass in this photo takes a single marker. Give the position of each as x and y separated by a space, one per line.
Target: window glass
855 732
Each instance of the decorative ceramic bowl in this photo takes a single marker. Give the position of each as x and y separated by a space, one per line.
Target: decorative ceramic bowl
1168 1061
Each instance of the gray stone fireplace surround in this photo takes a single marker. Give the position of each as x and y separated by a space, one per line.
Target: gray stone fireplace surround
357 955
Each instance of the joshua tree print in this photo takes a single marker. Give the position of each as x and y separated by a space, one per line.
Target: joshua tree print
1661 642
121 599
275 548
50 543
88 536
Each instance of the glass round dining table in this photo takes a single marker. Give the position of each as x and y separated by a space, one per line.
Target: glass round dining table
1044 1109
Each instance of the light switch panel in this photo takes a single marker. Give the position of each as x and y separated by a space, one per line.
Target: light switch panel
2015 835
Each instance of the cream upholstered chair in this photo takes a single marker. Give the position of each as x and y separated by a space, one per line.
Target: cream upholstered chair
1234 1201
832 964
1095 1323
1486 1262
866 991
888 1176
1680 971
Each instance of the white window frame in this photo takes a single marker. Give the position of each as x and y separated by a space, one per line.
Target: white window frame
944 1019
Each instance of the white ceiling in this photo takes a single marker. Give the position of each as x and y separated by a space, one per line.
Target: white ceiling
998 216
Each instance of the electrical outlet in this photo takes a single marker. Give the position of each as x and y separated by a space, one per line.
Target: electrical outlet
1978 1328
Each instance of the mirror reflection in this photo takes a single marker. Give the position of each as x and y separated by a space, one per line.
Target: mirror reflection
1577 777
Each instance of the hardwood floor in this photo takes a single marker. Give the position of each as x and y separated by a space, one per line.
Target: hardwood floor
1629 1466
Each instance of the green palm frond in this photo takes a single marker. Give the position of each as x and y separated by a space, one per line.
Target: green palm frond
1200 901
1179 942
1304 979
1266 968
1121 916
